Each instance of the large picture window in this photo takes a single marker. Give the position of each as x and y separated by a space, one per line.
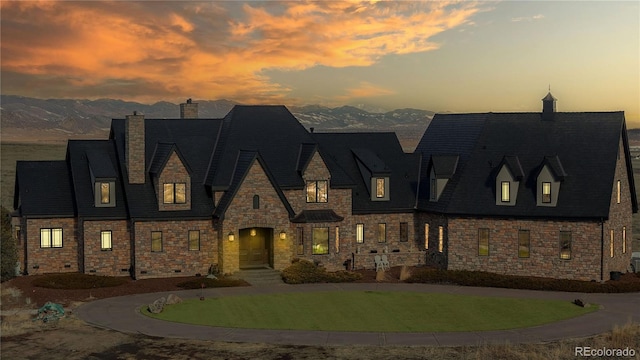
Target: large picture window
565 245
483 242
51 238
317 191
524 243
320 241
194 240
156 241
105 240
175 193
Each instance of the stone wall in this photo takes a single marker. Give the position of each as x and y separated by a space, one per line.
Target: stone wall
51 260
175 259
134 148
174 171
430 242
113 262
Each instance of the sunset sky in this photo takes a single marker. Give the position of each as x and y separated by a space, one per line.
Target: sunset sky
441 56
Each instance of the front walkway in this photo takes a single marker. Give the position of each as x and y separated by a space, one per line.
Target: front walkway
122 314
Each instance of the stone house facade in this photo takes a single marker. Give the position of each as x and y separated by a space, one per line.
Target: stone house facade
178 197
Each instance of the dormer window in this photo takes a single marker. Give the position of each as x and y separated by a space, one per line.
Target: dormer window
508 181
175 193
105 191
380 187
443 167
317 191
549 178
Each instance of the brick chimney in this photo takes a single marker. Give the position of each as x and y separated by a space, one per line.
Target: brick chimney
189 110
134 147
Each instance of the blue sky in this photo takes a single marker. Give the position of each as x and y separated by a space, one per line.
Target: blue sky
443 56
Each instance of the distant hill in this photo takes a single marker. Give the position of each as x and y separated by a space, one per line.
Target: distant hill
86 116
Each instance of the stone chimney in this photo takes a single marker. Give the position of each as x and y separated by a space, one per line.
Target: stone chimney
548 107
134 147
189 110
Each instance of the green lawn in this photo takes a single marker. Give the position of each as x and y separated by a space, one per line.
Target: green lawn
370 311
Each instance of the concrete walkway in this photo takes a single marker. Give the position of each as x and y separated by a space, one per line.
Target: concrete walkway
123 314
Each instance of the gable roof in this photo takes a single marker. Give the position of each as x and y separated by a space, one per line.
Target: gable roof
271 130
161 155
381 150
244 161
444 166
587 143
43 189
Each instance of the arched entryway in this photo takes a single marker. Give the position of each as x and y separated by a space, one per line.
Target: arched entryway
256 247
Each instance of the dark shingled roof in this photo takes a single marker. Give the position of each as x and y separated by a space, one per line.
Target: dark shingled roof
194 141
317 216
43 189
271 130
162 154
381 148
586 142
444 166
85 154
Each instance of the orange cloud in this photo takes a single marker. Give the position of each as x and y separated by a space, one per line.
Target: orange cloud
364 90
173 50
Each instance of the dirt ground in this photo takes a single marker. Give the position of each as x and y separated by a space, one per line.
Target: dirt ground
70 338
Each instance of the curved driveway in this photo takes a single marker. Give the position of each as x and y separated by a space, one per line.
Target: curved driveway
122 314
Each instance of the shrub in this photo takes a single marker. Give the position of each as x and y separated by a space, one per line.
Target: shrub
305 272
8 248
484 279
73 281
211 283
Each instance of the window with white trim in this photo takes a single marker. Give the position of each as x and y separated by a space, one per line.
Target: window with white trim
51 238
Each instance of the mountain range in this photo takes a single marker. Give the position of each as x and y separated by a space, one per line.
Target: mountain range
94 116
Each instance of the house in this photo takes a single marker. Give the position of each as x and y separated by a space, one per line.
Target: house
547 194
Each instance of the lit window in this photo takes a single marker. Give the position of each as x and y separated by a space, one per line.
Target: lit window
337 239
546 192
105 240
440 238
404 232
624 239
105 193
379 187
505 191
611 243
565 245
300 239
317 191
51 238
320 241
175 193
359 233
156 241
524 244
382 232
194 240
618 196
483 242
426 236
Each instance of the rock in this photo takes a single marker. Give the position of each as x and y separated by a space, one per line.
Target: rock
173 299
157 306
581 303
211 276
381 275
405 273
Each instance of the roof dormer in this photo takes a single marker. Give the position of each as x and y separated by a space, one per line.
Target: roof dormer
548 180
441 170
103 178
171 176
375 174
508 180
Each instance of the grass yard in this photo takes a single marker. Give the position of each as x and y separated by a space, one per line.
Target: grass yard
370 311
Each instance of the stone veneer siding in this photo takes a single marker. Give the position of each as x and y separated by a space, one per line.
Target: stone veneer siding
134 151
51 260
175 254
114 262
240 214
174 171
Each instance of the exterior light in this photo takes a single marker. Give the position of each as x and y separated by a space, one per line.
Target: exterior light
253 232
283 235
231 236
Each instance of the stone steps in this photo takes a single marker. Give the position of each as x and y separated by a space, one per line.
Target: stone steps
260 276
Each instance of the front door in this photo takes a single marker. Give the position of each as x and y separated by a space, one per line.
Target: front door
254 247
